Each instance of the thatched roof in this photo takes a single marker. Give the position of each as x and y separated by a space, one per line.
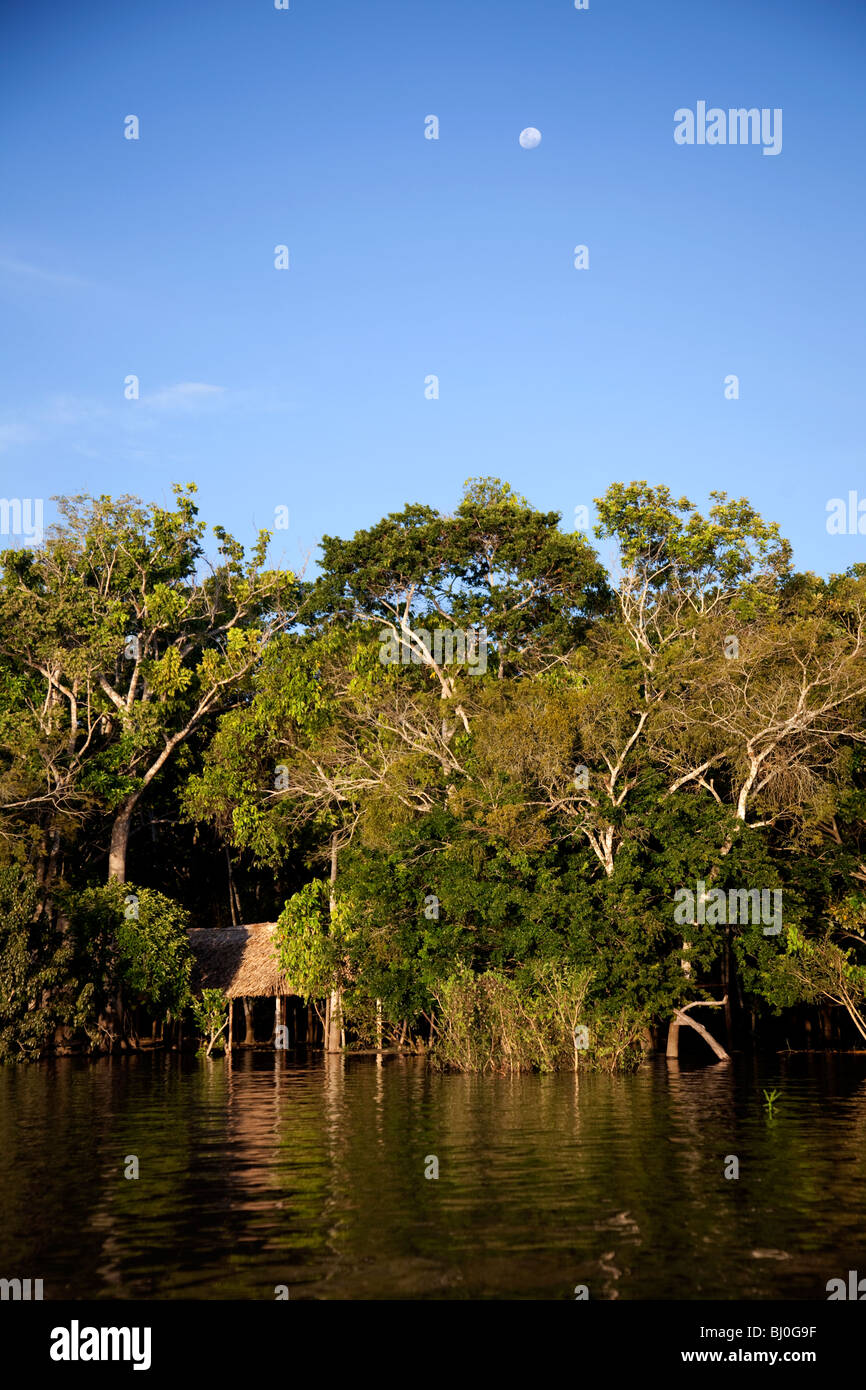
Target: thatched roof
237 960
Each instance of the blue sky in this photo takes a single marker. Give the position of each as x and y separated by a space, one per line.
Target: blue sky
410 257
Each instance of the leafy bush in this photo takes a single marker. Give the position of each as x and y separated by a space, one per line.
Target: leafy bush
133 941
830 969
210 1012
308 942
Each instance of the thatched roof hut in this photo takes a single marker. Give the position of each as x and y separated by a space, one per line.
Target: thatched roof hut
241 961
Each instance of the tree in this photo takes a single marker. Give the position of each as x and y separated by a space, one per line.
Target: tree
121 649
832 968
495 565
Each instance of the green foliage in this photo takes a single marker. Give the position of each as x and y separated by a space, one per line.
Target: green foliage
731 545
831 968
114 651
36 968
133 940
154 952
308 942
485 895
497 1022
210 1011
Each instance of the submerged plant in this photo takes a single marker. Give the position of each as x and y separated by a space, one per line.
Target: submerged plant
770 1098
530 1022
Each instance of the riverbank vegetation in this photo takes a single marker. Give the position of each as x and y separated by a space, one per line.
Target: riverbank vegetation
469 767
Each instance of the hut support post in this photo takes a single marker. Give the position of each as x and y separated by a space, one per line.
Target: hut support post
231 1024
250 1032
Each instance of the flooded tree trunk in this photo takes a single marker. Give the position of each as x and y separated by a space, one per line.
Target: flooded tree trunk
334 1016
673 1047
726 986
333 1021
111 1019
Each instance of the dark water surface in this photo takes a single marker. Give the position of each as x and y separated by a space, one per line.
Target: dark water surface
271 1172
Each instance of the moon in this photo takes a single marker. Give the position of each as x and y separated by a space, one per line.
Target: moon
530 138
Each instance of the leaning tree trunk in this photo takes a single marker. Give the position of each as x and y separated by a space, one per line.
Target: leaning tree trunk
681 1017
673 1047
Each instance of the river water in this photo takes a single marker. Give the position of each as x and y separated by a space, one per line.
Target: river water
267 1172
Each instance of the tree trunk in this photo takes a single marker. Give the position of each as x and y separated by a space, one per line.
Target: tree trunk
281 1019
232 895
681 1017
46 867
112 1018
726 985
120 840
673 1047
334 1019
708 1039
